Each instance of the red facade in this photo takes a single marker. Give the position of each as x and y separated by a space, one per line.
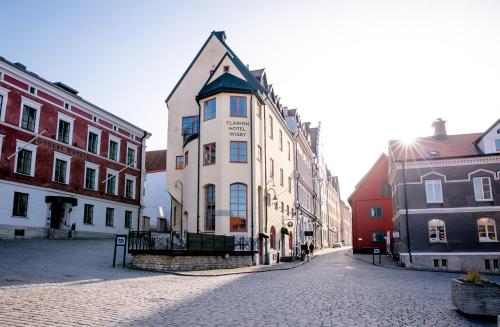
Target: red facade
47 144
371 204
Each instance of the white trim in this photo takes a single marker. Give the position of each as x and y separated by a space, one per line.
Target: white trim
134 181
117 140
94 166
432 183
30 147
63 96
483 199
5 93
98 132
114 173
134 147
1 143
70 121
32 104
63 157
58 192
452 162
451 253
68 145
448 210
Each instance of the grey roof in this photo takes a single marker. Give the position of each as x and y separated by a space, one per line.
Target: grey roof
225 83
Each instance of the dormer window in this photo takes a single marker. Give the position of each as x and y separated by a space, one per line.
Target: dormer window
433 153
226 69
497 145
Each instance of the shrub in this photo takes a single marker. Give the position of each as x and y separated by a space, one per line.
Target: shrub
473 277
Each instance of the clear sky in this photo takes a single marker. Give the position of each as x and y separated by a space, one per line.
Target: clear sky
369 70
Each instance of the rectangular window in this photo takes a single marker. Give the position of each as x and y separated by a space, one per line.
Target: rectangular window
497 145
209 109
113 150
186 158
376 212
20 208
444 263
90 178
129 188
281 139
487 264
1 104
271 168
482 189
190 126
111 183
60 171
495 265
433 191
131 156
28 120
128 219
93 142
179 162
378 237
24 158
259 110
289 185
271 127
259 153
209 154
282 179
289 151
238 151
238 106
88 214
436 263
64 131
110 216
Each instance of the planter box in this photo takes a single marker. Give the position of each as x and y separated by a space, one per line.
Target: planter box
477 299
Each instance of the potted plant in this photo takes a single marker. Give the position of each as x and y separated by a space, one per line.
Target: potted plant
475 295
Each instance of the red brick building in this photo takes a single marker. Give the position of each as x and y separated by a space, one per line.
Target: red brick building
371 204
64 161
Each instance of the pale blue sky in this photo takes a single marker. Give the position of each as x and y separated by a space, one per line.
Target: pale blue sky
370 70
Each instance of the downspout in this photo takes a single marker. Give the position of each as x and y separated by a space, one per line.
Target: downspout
143 169
265 168
251 179
199 170
406 214
298 237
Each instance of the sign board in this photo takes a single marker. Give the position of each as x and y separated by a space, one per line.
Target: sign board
376 251
308 233
290 224
395 234
121 240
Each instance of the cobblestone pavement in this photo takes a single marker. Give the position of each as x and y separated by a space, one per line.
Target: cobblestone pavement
66 283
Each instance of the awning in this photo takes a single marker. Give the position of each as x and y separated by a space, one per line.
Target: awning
61 199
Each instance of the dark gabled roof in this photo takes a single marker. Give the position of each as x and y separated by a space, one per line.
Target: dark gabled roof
427 148
258 73
380 160
156 161
487 131
225 83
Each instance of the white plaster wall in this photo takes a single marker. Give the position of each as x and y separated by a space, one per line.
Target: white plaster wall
155 197
487 144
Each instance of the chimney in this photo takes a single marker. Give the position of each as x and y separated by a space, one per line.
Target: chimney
439 129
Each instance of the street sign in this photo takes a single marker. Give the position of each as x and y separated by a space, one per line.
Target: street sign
395 234
376 251
308 233
120 240
290 224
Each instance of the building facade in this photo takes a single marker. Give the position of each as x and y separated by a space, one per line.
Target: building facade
371 204
157 202
66 164
230 154
446 200
345 224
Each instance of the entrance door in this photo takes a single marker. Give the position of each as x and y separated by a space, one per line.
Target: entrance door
56 214
261 251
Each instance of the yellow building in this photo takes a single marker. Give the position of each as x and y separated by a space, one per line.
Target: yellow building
230 154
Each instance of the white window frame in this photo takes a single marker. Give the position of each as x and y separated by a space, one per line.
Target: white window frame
487 239
117 140
32 148
33 104
497 149
481 190
115 173
94 166
436 223
1 143
5 93
64 157
98 132
70 121
433 182
133 179
134 147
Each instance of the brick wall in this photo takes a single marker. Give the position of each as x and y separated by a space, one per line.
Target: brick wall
186 263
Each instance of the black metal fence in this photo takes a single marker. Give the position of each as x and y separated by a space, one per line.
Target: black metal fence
191 242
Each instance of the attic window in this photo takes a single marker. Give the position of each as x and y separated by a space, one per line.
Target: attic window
498 131
226 69
66 105
211 71
433 153
32 90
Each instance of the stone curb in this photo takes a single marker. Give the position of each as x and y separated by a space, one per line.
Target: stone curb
415 269
190 274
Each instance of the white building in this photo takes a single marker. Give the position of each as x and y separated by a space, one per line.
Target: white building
157 202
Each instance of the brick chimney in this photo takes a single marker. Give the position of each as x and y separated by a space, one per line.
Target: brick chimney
439 129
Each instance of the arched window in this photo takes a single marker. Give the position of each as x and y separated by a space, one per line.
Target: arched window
238 207
210 207
437 231
487 230
272 238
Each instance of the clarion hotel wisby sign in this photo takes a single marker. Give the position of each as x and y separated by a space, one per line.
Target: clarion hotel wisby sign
237 128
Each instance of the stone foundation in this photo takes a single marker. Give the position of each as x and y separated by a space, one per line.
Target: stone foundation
462 263
189 262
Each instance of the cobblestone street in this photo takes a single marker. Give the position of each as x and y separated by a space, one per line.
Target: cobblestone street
66 283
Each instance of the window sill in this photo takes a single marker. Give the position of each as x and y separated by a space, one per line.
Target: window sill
241 162
90 189
62 183
28 175
438 242
112 226
111 194
484 200
488 241
88 224
20 217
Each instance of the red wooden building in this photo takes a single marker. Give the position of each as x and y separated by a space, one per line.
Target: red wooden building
371 204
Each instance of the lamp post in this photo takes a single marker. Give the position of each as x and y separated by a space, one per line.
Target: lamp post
408 243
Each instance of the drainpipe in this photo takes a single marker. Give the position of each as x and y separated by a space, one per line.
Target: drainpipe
143 169
266 254
408 243
251 179
199 170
